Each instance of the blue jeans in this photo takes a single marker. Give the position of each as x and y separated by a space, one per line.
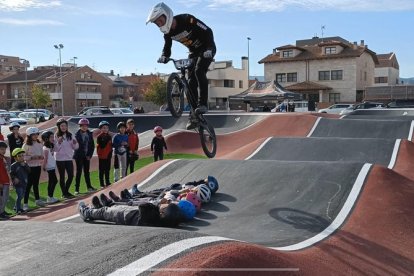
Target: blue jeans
20 194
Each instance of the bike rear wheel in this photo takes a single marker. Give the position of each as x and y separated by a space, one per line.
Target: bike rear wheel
208 139
175 95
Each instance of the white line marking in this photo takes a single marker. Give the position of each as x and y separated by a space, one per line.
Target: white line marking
314 127
340 218
410 134
259 148
343 116
394 154
142 183
149 261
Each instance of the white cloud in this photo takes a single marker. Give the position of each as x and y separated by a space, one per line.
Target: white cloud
339 5
29 22
21 5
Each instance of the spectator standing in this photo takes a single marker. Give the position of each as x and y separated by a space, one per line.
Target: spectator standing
4 181
158 144
14 138
19 174
104 150
34 158
133 144
49 165
83 154
120 144
65 145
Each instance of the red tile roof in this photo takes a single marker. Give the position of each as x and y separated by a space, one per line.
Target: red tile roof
307 86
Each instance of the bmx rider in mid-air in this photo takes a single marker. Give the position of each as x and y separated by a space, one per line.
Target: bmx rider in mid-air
198 38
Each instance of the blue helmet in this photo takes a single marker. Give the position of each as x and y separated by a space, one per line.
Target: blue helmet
212 183
103 123
187 208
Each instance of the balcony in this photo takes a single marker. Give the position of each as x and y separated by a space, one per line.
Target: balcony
55 96
88 96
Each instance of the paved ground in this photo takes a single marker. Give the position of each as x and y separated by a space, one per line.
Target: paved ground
303 205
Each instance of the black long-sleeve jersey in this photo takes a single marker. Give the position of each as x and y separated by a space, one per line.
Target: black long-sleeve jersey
192 33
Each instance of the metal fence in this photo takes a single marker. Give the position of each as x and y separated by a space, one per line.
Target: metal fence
389 93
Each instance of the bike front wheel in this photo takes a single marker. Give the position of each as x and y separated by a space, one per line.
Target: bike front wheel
208 139
175 95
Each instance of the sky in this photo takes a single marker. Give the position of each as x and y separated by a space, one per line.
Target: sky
112 35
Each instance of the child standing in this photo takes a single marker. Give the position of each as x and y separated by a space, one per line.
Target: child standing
65 144
19 173
133 143
49 165
104 149
34 158
4 181
14 138
158 144
120 144
83 154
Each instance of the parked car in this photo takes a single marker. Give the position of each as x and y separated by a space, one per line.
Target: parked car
49 114
364 105
335 109
4 117
33 117
95 110
15 118
121 110
401 104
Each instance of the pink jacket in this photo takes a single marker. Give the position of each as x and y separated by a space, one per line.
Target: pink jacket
64 151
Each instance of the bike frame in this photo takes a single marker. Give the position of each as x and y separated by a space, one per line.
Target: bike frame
186 67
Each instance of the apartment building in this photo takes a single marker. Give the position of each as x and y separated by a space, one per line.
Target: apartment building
387 71
10 65
81 87
324 70
225 80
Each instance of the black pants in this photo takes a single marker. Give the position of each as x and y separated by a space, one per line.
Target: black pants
62 167
51 183
82 164
198 78
130 164
158 155
33 180
116 162
104 168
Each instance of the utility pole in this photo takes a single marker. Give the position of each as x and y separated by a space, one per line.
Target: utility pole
26 64
60 47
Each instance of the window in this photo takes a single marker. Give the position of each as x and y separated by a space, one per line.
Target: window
381 80
292 77
336 75
324 75
330 50
288 53
281 77
240 84
365 76
334 97
229 83
82 76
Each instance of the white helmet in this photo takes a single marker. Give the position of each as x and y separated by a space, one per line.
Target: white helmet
157 11
32 130
204 192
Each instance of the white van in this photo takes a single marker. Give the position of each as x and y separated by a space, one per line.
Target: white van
300 106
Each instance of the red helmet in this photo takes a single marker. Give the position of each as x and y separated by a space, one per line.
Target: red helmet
194 199
157 128
83 121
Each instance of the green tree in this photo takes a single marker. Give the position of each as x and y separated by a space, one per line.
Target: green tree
157 92
40 98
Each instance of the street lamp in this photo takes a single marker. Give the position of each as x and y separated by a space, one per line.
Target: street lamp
74 83
26 64
59 47
248 60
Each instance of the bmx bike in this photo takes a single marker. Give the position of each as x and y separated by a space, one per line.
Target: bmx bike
177 89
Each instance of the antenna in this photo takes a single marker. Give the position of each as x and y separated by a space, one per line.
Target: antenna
322 28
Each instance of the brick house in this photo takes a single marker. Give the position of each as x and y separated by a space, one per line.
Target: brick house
324 70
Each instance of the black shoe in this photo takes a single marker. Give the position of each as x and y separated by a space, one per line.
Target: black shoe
114 197
4 216
128 194
96 203
202 109
84 211
134 190
68 196
105 200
